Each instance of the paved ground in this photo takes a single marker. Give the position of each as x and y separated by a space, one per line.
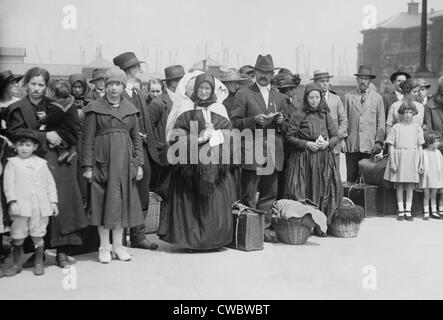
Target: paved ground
407 257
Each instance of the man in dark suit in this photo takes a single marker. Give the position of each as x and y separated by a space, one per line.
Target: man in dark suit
159 110
396 79
251 110
129 63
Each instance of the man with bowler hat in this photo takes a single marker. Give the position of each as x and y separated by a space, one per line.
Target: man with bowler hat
261 107
159 110
98 80
396 79
129 63
366 122
336 108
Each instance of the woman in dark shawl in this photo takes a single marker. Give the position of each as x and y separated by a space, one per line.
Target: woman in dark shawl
312 172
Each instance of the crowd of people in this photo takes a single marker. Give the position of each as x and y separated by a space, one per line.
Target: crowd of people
78 155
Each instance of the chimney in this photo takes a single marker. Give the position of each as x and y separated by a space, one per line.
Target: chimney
413 7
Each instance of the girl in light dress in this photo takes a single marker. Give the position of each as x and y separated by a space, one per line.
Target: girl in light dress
432 179
404 167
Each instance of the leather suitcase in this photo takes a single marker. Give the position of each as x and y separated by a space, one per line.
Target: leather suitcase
248 230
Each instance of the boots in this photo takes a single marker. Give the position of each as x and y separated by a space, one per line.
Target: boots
17 255
39 267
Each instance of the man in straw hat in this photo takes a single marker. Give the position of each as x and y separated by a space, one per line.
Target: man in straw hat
159 110
396 79
337 110
129 63
232 79
366 122
98 80
261 107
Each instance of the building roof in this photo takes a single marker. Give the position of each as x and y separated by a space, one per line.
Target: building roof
209 63
9 51
402 20
436 14
99 63
57 70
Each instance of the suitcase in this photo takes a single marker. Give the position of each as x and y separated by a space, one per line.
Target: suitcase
248 229
386 201
362 195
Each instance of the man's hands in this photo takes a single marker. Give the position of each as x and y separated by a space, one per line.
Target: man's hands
377 148
139 174
88 175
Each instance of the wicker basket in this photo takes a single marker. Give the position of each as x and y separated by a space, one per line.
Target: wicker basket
292 232
153 216
344 230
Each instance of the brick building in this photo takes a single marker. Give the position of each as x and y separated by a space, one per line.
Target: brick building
395 43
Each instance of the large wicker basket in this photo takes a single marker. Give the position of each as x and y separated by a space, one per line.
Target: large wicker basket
344 230
153 216
292 232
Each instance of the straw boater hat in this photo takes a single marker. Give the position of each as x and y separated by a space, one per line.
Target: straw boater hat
365 71
97 74
321 74
126 60
265 63
232 75
174 72
399 73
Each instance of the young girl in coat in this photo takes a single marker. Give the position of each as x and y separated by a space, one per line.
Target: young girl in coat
32 198
432 179
404 167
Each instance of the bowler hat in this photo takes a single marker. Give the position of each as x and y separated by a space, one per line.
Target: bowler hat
321 74
9 77
97 74
25 133
365 71
126 60
265 63
424 84
115 74
399 73
285 80
174 72
231 75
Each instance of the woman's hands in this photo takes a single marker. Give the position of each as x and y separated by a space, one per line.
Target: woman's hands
314 147
139 174
53 138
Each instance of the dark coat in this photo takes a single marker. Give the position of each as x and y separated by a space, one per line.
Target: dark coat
159 110
229 103
23 114
145 124
92 95
433 119
112 147
388 100
249 103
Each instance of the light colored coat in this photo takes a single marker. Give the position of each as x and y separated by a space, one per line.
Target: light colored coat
338 114
366 123
20 186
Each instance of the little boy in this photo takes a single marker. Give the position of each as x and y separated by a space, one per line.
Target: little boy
31 195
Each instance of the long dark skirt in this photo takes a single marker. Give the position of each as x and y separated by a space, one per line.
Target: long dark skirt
63 229
314 176
195 222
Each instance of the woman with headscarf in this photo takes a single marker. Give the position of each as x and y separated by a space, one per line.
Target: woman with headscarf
411 91
312 172
198 214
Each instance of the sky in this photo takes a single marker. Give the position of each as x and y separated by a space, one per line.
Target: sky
164 32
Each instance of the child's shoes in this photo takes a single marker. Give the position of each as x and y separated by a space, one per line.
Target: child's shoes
104 254
401 216
39 267
426 216
435 215
409 216
121 253
16 268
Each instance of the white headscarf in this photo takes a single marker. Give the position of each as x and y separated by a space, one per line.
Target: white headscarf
183 103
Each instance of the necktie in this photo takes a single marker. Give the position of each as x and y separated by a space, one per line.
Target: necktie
363 96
